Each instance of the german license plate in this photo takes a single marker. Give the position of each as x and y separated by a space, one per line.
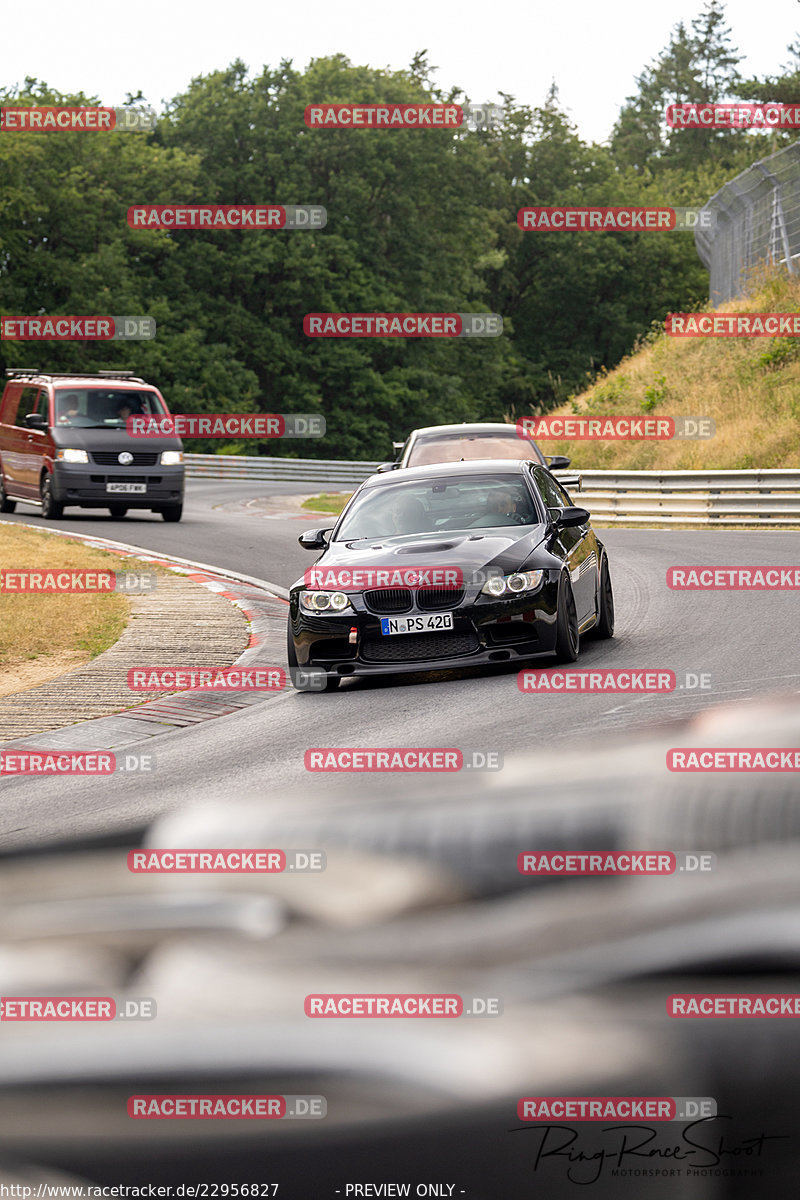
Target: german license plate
126 487
429 623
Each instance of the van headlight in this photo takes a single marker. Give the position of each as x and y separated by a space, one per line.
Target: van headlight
171 458
73 456
323 602
512 585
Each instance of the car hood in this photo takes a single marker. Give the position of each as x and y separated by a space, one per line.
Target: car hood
506 549
77 438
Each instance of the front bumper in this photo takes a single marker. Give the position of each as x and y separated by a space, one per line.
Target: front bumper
84 485
484 631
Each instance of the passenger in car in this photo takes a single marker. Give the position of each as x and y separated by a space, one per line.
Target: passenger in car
68 410
406 514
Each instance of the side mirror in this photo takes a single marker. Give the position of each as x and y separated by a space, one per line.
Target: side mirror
388 466
36 421
566 517
558 462
314 539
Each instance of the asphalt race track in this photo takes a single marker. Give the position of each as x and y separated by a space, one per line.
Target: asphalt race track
742 644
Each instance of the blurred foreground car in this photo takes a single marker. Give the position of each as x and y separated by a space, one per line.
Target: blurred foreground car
583 967
517 573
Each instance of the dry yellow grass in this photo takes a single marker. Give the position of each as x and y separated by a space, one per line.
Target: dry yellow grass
59 631
749 386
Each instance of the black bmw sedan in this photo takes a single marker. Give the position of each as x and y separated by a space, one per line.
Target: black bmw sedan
448 565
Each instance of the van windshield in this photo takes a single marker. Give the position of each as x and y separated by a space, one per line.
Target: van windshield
104 408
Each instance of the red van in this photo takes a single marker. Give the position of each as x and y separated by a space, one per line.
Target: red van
64 443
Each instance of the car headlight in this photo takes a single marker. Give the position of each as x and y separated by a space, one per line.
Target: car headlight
74 456
512 585
319 602
171 458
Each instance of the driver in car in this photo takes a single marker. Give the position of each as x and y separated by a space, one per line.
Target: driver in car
501 509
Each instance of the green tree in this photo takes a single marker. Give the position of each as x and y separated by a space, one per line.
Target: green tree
409 227
65 248
697 67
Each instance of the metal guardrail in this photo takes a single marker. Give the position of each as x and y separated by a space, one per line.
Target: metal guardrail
276 470
693 497
695 481
650 497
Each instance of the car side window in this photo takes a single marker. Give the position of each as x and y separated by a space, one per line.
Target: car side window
565 501
33 401
549 490
10 405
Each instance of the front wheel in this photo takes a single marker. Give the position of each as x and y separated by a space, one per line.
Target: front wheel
6 505
568 639
52 509
173 512
605 609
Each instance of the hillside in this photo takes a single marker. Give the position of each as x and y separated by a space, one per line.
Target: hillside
749 386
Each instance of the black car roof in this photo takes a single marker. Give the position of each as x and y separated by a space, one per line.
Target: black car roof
473 466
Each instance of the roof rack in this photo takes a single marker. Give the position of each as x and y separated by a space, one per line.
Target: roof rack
12 372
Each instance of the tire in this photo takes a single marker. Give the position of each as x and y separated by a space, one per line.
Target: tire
172 512
605 616
568 639
117 510
331 681
723 812
6 505
444 827
52 510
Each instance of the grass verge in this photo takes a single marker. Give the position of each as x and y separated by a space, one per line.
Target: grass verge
327 502
53 631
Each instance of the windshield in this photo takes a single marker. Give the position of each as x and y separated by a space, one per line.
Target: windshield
103 408
461 502
436 448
